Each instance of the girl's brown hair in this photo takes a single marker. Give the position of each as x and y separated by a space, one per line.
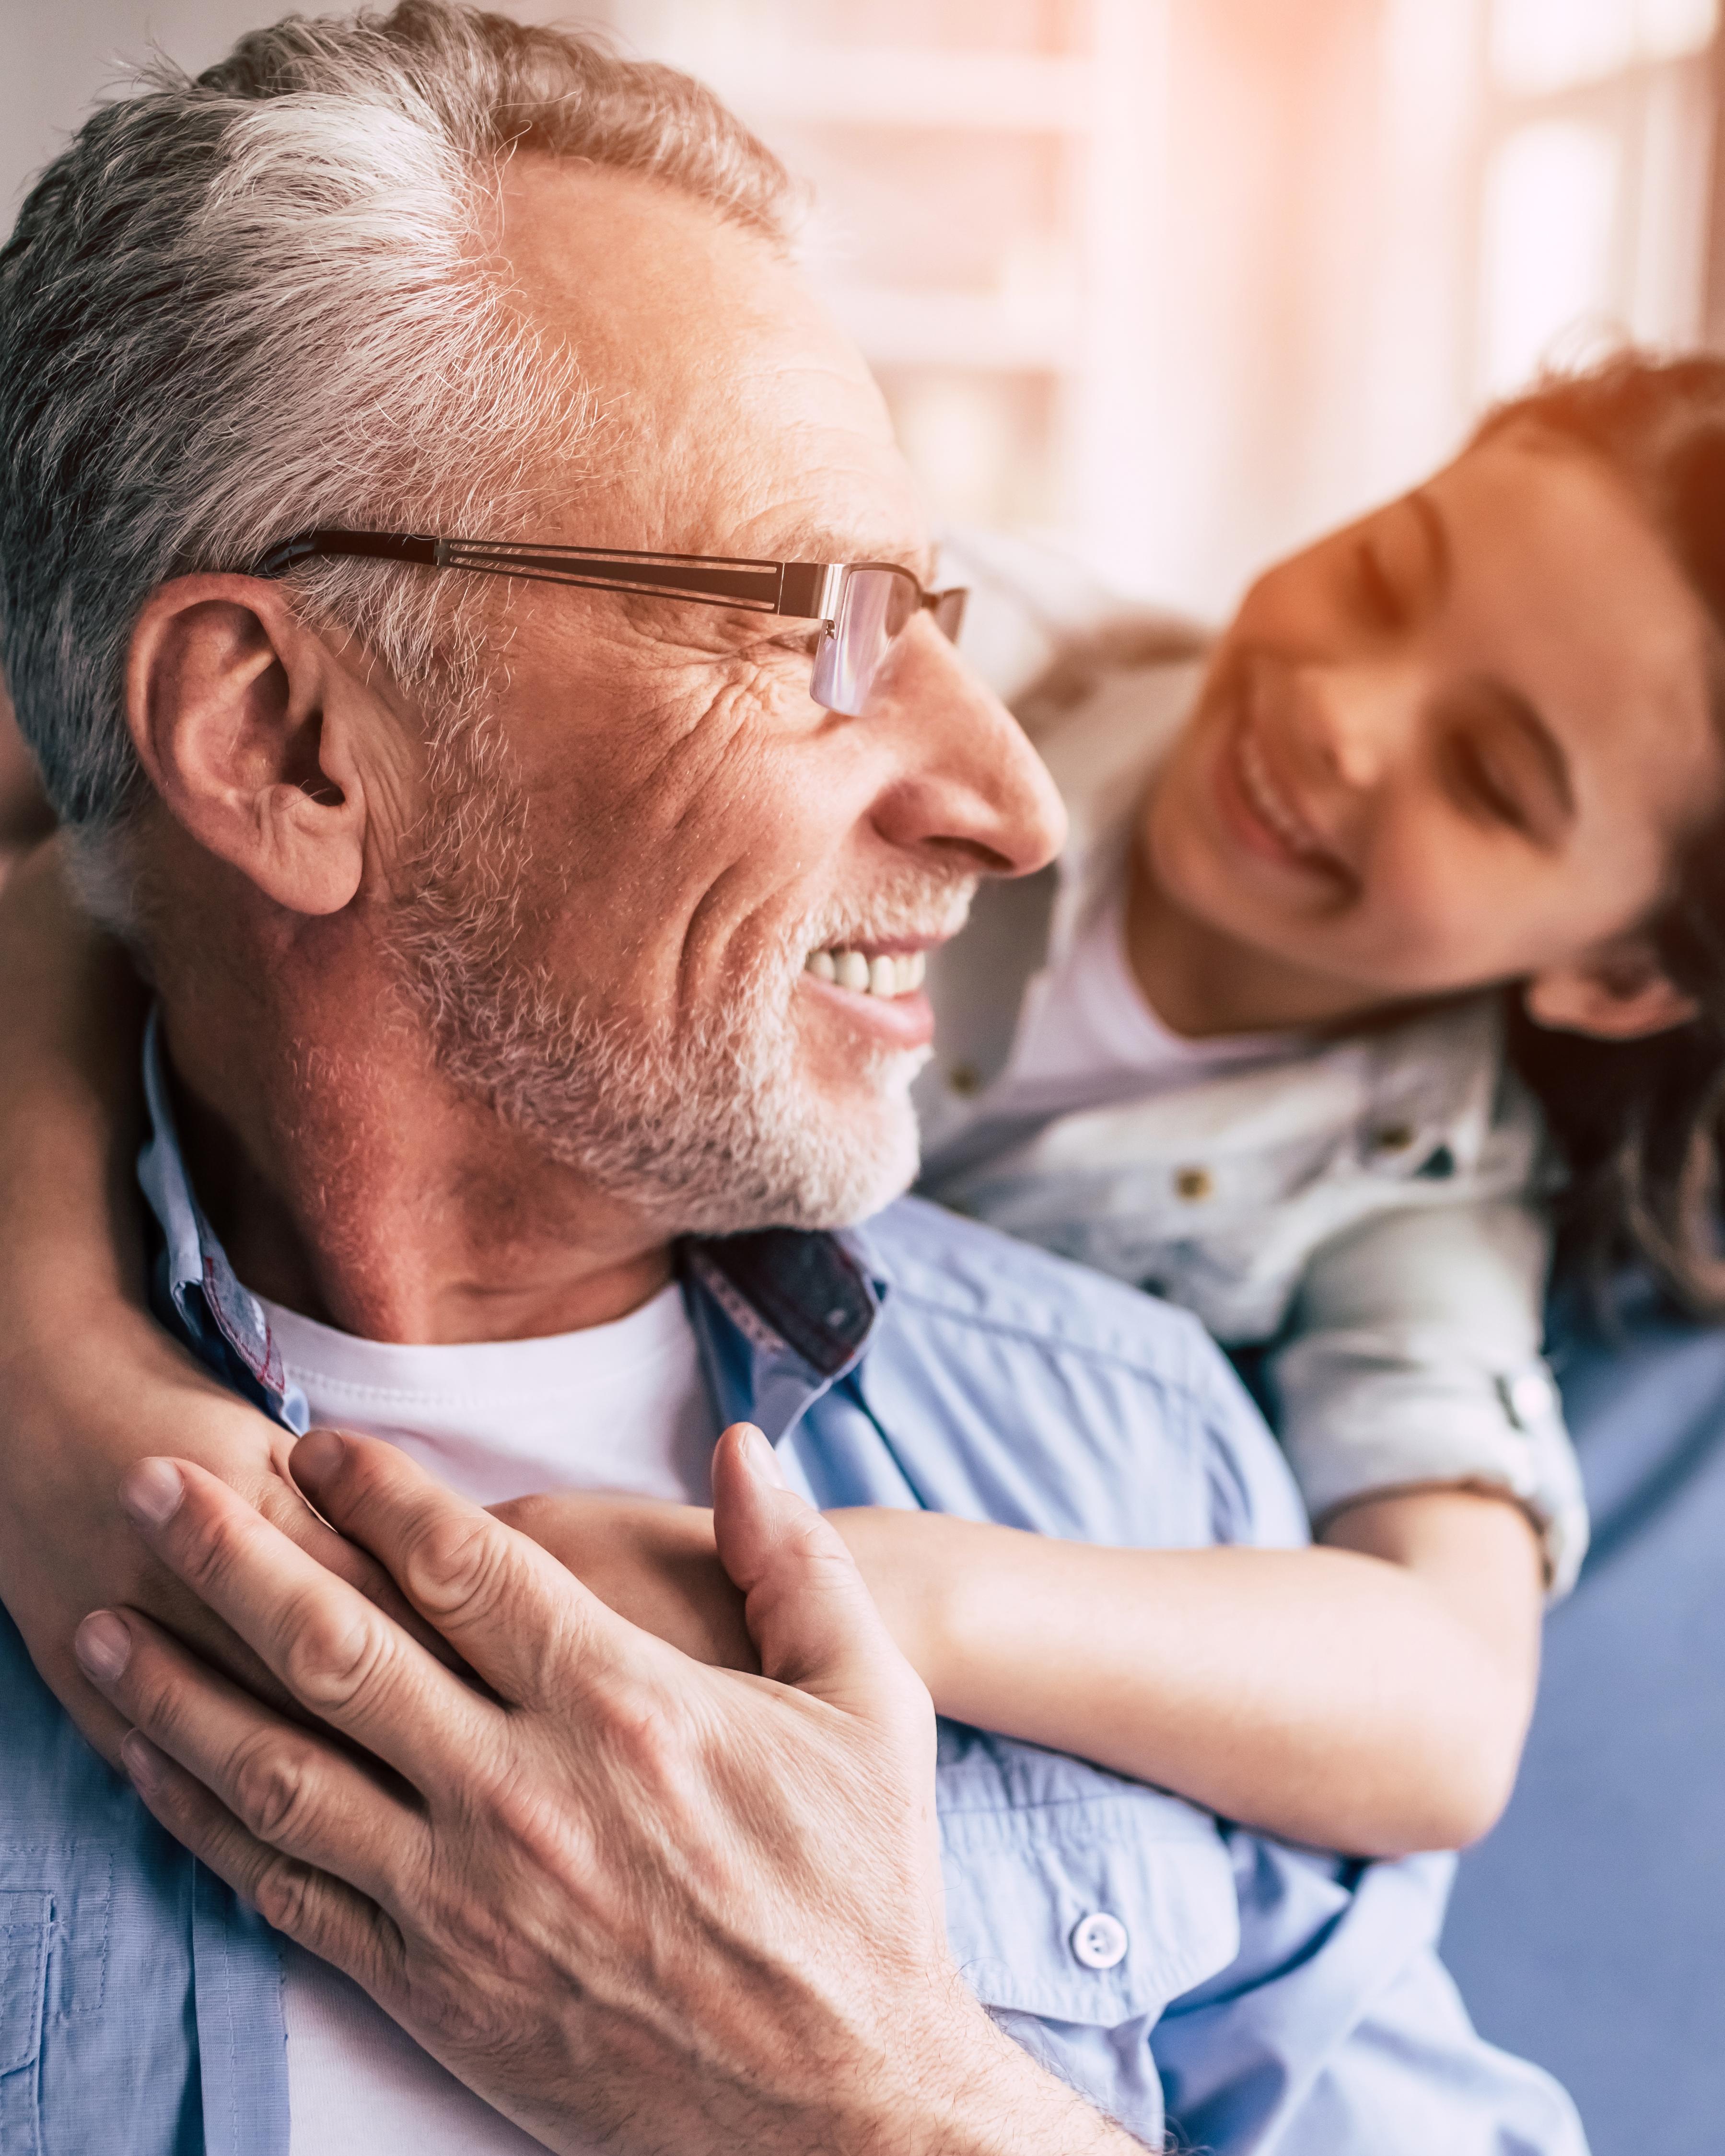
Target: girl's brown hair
1641 1124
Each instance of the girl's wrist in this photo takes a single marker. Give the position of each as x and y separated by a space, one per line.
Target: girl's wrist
899 1554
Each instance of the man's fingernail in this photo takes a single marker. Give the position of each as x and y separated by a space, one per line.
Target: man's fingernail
141 1760
153 1490
103 1645
317 1455
763 1460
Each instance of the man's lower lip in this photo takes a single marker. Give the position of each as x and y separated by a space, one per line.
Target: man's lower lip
907 1021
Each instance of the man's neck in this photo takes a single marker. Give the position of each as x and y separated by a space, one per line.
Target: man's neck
354 1185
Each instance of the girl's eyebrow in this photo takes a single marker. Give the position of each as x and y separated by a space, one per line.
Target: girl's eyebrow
1437 537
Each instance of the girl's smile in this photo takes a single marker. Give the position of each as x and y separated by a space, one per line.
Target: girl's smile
1459 743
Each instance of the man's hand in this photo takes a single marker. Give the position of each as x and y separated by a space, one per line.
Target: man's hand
627 1898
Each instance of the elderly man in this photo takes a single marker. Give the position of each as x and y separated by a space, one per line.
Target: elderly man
535 921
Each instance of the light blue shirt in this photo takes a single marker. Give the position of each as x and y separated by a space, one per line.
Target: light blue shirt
1187 1976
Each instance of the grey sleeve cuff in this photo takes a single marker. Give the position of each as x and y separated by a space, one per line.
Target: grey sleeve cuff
1367 1412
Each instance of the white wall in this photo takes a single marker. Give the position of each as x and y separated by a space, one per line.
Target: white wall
55 55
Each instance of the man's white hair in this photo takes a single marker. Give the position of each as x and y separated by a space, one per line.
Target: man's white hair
268 300
262 301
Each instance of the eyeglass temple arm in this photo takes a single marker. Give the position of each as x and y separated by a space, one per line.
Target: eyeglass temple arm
805 591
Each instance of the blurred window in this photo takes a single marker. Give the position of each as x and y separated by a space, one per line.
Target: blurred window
985 183
1178 283
1550 210
1548 45
1596 138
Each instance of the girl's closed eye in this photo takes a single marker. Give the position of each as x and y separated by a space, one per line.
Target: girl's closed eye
1376 597
1397 565
1505 768
1483 785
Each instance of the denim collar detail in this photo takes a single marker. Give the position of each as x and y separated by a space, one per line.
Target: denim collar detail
783 1287
224 1320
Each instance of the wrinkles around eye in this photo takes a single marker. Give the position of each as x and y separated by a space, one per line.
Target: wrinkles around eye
800 642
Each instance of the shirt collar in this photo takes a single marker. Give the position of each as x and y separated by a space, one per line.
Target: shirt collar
781 1314
224 1321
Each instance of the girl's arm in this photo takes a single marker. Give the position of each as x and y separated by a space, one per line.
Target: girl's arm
1371 1696
88 1382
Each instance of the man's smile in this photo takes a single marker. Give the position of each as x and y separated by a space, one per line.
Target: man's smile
877 971
877 988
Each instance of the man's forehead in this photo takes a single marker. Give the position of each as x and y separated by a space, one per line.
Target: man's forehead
734 415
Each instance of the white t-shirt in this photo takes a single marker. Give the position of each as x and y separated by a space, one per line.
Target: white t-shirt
1090 1040
619 1407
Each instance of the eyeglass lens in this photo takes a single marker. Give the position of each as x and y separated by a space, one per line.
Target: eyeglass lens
874 609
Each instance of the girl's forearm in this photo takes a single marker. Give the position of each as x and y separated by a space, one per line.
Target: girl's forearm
1322 1695
88 1383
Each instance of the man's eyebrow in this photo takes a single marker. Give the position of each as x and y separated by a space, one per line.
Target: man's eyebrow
1510 704
826 542
1437 537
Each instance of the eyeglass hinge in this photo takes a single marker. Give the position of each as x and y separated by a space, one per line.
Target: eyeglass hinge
809 591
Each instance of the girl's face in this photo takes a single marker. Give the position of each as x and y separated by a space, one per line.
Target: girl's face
1456 743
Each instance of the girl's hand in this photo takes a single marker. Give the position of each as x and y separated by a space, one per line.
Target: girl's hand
66 1548
656 1564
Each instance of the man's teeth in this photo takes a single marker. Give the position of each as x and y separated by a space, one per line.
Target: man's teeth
899 976
1256 780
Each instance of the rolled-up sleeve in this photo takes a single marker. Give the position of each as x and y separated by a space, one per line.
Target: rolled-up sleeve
1412 1358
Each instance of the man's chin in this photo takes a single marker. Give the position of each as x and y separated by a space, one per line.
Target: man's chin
829 1166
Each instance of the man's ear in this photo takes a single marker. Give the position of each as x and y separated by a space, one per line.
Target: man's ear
1619 991
245 722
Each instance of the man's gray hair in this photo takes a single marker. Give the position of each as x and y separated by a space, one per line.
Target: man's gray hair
264 301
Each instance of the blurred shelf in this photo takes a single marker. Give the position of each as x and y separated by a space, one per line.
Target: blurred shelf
882 86
973 200
973 331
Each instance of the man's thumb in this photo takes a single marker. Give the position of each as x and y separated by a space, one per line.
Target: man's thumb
814 1622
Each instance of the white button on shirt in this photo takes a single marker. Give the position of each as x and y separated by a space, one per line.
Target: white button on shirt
620 1406
1100 1941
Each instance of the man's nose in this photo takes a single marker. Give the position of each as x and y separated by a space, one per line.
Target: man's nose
967 782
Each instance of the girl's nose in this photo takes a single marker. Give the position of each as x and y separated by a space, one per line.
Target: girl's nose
1354 758
1343 719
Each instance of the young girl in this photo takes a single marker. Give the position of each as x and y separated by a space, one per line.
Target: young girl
1427 843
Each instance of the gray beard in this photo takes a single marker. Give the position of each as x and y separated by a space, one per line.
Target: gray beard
707 1129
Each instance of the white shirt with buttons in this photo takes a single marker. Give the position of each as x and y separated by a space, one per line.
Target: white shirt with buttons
1369 1204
